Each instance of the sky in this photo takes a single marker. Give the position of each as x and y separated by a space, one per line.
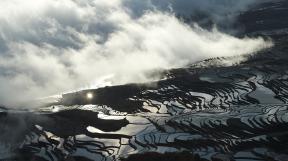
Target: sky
49 47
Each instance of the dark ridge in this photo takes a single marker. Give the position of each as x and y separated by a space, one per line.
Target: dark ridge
90 118
266 17
27 157
64 124
153 156
116 97
3 108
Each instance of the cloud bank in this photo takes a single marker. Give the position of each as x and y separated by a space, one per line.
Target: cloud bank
51 46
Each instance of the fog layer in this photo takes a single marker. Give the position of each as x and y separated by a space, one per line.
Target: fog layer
52 46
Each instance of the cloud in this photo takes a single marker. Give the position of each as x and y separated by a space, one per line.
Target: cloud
52 46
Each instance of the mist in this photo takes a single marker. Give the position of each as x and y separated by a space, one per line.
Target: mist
54 46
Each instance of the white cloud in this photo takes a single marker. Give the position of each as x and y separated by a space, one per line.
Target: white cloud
51 46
